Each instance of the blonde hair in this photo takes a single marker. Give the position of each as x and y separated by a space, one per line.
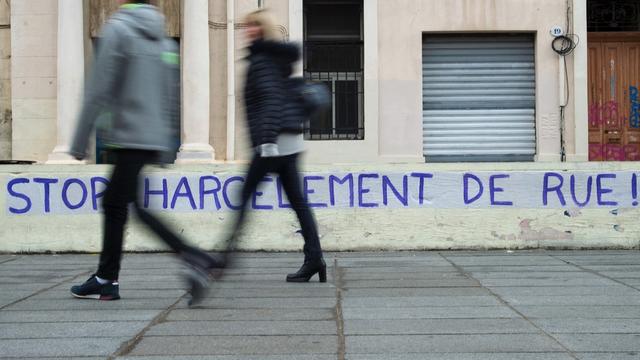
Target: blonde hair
265 21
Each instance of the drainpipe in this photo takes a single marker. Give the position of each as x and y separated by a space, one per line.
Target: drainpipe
231 81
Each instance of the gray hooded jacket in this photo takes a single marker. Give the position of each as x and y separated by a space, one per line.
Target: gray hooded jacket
135 79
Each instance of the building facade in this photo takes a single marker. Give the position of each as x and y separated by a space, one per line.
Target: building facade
444 81
456 86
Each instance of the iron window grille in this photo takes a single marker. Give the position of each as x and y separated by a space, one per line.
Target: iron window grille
333 56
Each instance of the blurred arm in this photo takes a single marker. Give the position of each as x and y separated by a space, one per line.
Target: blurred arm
99 90
270 98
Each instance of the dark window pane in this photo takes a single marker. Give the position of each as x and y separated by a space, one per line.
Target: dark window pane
613 15
346 107
333 57
333 21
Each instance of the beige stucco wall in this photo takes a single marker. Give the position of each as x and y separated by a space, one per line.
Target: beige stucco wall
218 73
401 27
33 74
5 81
393 32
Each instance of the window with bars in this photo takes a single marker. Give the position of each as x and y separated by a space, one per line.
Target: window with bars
333 55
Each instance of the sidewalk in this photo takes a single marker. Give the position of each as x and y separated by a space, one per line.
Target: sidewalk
547 305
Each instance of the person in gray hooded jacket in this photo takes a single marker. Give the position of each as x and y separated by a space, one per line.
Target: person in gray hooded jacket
135 79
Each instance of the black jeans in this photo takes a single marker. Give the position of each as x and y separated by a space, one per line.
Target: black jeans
121 191
287 168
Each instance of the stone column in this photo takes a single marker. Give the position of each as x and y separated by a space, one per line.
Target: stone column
195 84
580 84
70 66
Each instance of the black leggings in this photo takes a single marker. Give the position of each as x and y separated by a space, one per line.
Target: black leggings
287 168
121 191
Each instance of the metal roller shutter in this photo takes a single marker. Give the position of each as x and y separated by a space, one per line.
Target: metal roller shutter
479 98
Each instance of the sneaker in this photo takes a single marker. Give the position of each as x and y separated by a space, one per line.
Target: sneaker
201 269
197 280
92 289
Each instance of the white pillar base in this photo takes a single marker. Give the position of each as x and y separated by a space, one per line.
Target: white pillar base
196 154
61 156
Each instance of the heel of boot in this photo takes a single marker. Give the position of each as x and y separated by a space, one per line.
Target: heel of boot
322 274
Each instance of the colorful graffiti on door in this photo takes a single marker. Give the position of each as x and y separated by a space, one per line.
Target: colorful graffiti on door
607 115
611 119
634 117
614 105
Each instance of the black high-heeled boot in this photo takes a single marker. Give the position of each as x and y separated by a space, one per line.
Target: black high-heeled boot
308 269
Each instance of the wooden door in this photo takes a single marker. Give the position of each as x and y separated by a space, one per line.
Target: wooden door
614 113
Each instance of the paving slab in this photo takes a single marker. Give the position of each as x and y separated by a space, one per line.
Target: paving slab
576 300
236 345
584 312
420 269
631 355
590 326
522 268
60 347
251 314
383 275
62 293
615 289
282 285
418 301
620 268
234 357
57 358
402 292
439 326
269 303
539 275
635 283
621 274
76 316
430 283
463 356
77 304
393 344
233 328
600 342
71 330
460 312
490 260
548 282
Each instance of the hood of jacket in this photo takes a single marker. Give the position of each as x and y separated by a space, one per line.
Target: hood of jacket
145 19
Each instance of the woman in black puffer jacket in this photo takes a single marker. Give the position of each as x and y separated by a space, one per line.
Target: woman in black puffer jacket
276 126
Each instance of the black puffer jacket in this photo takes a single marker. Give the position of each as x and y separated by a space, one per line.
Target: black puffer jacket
271 103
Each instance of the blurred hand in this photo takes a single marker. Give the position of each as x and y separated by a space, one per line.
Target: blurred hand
268 150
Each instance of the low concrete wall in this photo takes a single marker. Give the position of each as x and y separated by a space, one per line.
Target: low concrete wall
436 218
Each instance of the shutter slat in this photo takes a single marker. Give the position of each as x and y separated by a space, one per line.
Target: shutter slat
479 96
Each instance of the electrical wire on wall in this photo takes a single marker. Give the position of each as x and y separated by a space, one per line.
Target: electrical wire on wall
564 45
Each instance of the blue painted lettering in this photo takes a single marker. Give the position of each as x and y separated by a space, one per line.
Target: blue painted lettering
47 191
402 198
546 188
14 193
65 193
363 190
466 184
